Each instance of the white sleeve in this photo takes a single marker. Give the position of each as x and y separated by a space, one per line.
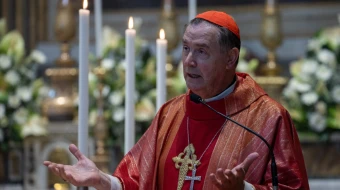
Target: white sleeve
115 183
248 186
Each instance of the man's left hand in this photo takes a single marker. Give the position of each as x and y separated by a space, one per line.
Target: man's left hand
233 179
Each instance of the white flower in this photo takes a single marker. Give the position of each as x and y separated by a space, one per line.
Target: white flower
111 37
289 92
13 101
5 62
299 86
336 93
327 57
38 56
92 77
242 66
309 66
317 121
118 115
2 111
116 98
12 78
309 98
314 45
93 117
21 115
108 63
43 91
106 90
145 110
35 126
25 93
122 65
324 73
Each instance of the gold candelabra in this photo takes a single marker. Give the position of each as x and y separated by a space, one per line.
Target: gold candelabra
271 37
169 23
60 104
101 157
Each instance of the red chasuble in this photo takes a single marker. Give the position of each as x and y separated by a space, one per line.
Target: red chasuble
150 165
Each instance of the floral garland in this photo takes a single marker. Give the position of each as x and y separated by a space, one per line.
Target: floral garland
312 95
21 94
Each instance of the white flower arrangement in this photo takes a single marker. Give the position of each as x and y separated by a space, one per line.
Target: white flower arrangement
113 91
20 91
312 95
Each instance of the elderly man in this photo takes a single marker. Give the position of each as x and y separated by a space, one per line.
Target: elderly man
189 146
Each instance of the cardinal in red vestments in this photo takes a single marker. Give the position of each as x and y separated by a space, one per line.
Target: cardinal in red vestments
190 146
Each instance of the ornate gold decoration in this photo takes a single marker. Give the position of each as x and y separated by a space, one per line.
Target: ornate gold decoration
185 161
101 157
58 155
60 106
271 37
168 22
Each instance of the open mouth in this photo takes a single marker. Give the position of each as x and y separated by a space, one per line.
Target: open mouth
193 76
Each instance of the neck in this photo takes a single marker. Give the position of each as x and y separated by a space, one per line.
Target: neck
222 93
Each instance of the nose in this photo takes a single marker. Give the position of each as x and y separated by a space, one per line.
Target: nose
189 60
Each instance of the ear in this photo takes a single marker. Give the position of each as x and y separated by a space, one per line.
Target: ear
232 57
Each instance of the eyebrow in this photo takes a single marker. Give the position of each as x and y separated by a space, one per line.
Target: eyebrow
197 44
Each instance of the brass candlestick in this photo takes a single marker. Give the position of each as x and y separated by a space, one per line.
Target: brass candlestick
101 157
60 105
168 22
271 37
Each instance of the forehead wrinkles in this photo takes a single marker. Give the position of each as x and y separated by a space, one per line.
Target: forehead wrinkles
201 33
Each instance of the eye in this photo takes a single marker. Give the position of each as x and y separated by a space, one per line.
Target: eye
186 49
201 51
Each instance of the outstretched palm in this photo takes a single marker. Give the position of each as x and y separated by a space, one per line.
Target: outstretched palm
83 173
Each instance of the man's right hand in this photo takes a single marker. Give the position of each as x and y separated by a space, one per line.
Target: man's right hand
83 174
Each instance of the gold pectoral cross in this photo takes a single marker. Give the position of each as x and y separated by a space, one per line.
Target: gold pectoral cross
185 161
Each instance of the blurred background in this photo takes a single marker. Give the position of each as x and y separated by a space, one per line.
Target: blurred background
290 47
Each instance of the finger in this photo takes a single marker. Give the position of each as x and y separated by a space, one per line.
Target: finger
76 152
249 160
215 181
62 174
230 175
220 175
239 171
52 167
47 163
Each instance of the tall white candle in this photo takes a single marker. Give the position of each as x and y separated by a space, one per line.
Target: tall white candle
161 55
83 90
192 9
130 35
98 27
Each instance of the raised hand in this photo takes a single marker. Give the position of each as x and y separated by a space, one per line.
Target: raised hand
83 173
233 179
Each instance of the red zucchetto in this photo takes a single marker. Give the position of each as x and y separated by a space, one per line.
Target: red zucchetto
221 19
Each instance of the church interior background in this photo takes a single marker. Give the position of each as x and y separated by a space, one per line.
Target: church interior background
290 47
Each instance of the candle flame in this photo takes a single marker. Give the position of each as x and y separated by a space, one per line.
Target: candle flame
162 34
85 4
130 22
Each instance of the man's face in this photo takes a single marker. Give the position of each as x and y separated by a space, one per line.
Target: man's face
204 62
